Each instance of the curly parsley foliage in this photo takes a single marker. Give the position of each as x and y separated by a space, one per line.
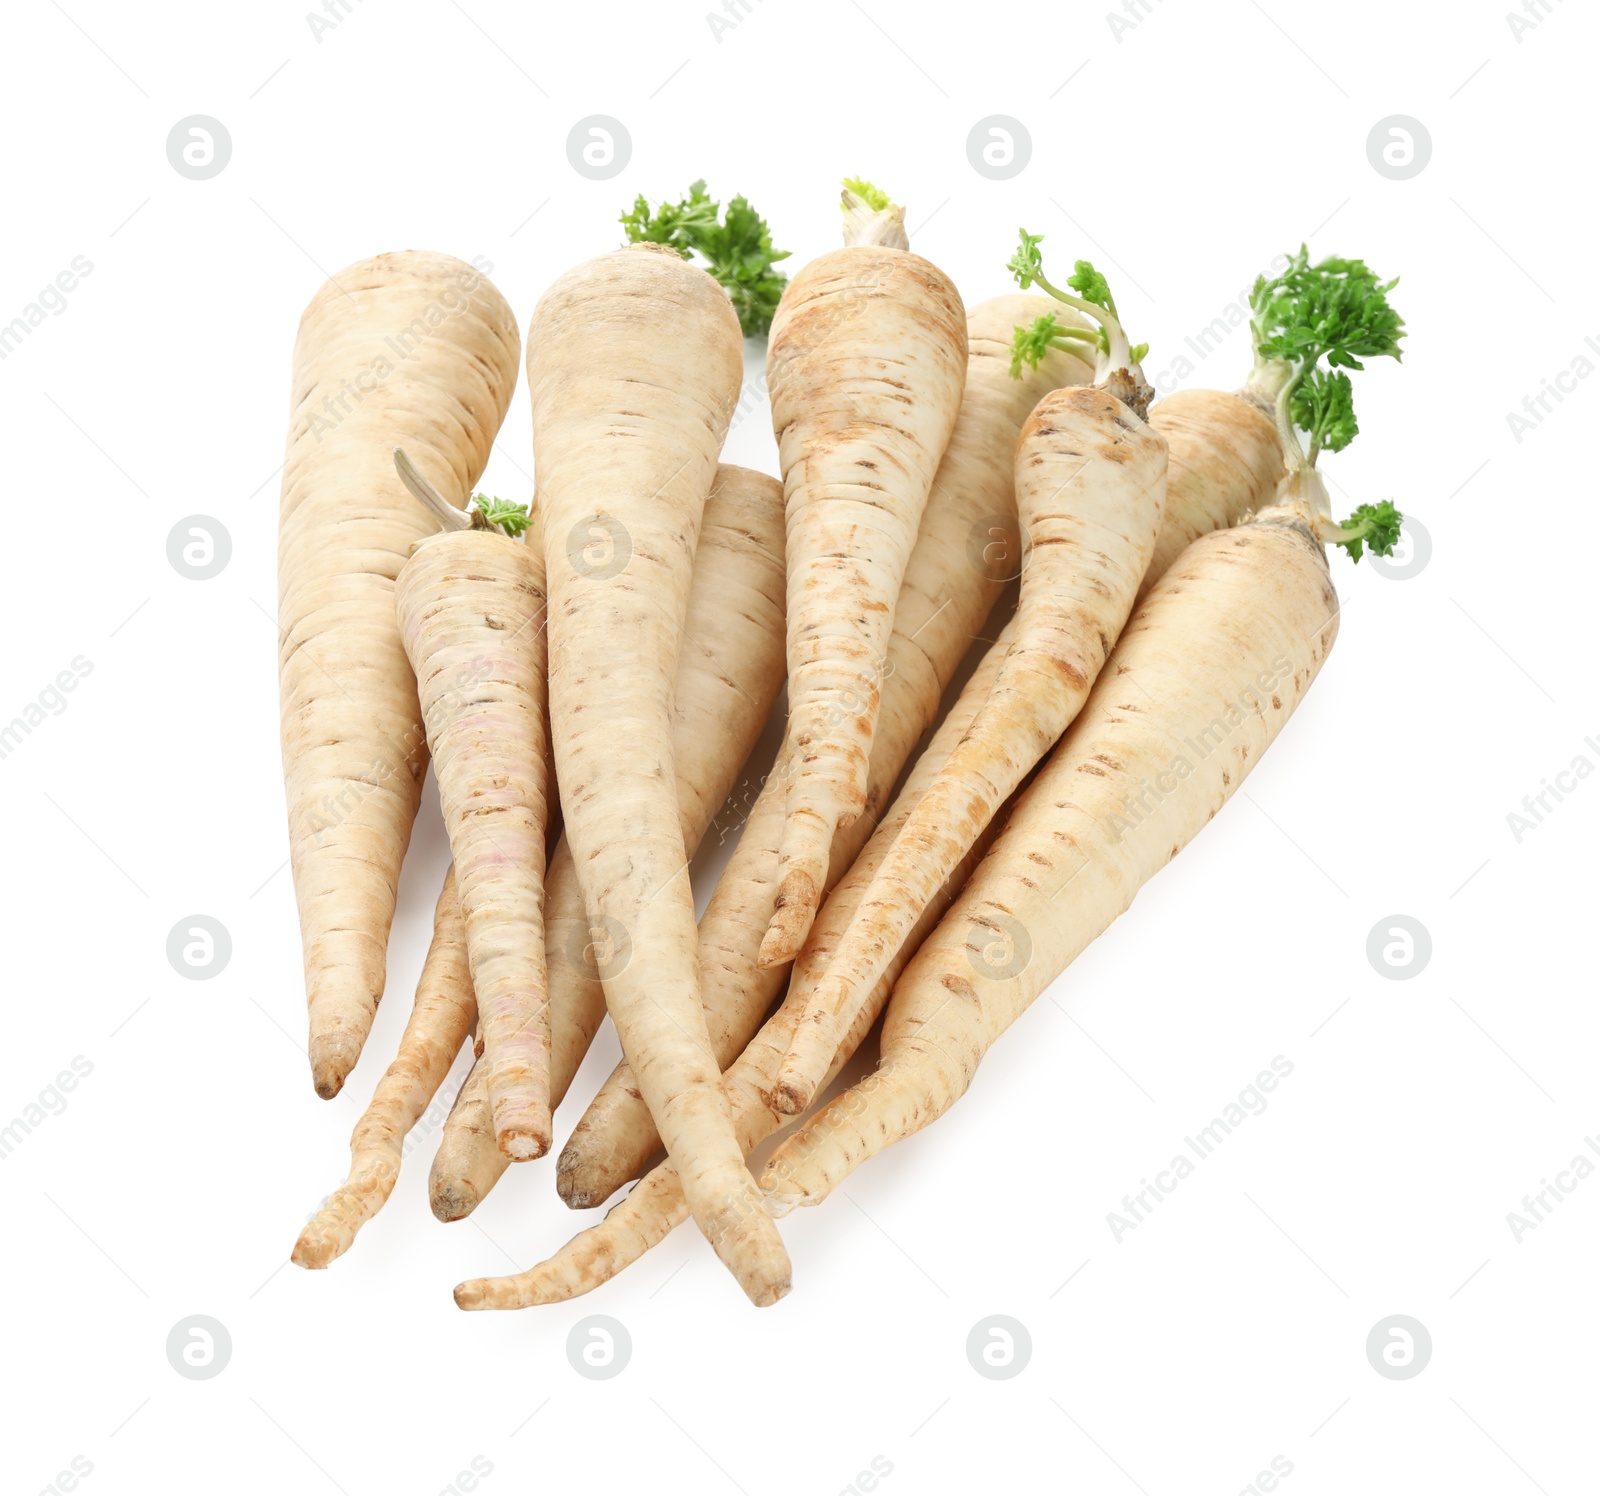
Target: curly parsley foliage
1377 526
1323 406
1336 310
1308 321
1310 324
1087 291
511 518
735 246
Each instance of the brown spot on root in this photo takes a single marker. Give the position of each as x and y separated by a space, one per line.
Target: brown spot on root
960 986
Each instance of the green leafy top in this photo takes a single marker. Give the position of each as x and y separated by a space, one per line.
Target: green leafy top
1336 310
1310 324
1307 321
737 249
1377 526
1323 406
874 197
1030 344
511 519
1090 294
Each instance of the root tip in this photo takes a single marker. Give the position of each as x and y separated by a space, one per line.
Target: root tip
791 922
766 1297
522 1146
333 1057
452 1202
572 1184
791 1097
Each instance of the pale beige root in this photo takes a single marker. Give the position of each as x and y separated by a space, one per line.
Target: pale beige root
635 362
410 348
1223 463
471 608
656 1205
730 671
441 1018
1091 485
865 367
1202 680
839 912
468 1163
966 551
600 1164
731 667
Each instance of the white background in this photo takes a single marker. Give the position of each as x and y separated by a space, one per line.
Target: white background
1227 1330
